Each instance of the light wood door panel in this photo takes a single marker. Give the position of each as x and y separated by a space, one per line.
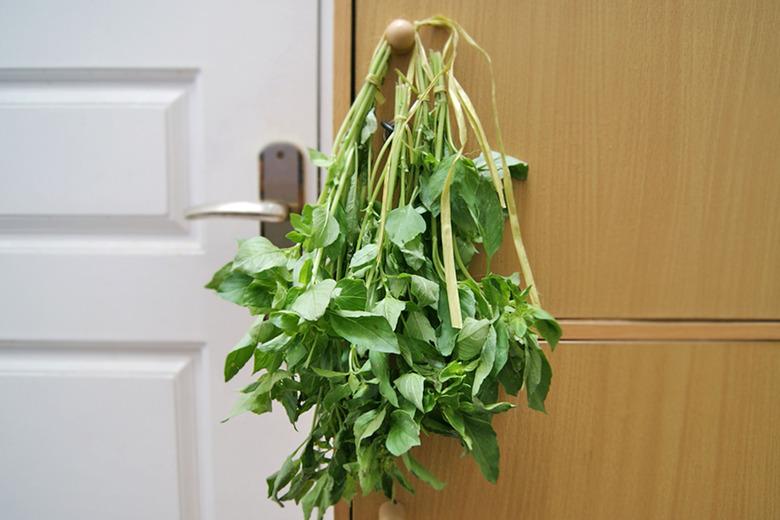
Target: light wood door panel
635 430
652 131
652 220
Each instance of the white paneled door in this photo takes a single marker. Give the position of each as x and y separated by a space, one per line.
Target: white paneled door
115 116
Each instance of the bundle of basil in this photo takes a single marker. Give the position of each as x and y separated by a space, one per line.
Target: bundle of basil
372 320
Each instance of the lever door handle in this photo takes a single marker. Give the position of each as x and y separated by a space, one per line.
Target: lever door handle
262 211
280 179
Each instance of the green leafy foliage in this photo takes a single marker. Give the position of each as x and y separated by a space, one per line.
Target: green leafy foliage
357 322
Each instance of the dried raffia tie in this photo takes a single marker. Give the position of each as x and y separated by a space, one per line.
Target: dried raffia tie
459 98
375 80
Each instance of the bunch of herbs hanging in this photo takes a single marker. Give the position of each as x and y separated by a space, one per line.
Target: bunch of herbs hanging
372 322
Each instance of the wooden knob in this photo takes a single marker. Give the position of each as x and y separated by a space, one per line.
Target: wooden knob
392 511
400 35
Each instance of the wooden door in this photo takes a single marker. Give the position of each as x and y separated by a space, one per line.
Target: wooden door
652 217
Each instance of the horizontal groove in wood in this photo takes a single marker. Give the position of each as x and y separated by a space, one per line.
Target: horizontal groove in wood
657 330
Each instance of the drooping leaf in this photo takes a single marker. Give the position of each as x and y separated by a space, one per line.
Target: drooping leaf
471 338
329 374
258 403
369 127
257 254
487 214
421 472
367 424
363 255
411 385
455 419
538 393
484 446
486 360
312 303
371 332
325 228
336 394
533 372
404 224
319 159
350 295
431 188
390 308
279 480
547 326
404 433
502 347
229 283
418 327
381 370
414 253
239 356
425 291
517 169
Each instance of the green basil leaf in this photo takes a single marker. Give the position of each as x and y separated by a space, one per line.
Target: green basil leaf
257 254
229 283
369 127
350 295
517 169
431 187
367 331
381 370
425 291
239 356
489 217
471 338
279 480
312 303
486 360
404 224
538 394
418 327
329 374
363 256
421 472
484 447
367 424
404 433
390 308
336 394
459 425
319 159
414 253
325 228
411 386
533 371
502 347
549 329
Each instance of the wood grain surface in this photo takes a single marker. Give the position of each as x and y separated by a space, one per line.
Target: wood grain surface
652 130
342 60
652 219
635 430
670 330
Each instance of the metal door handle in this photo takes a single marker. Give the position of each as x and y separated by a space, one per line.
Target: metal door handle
263 211
280 179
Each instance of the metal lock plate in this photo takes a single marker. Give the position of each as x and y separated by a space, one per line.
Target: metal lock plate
281 179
